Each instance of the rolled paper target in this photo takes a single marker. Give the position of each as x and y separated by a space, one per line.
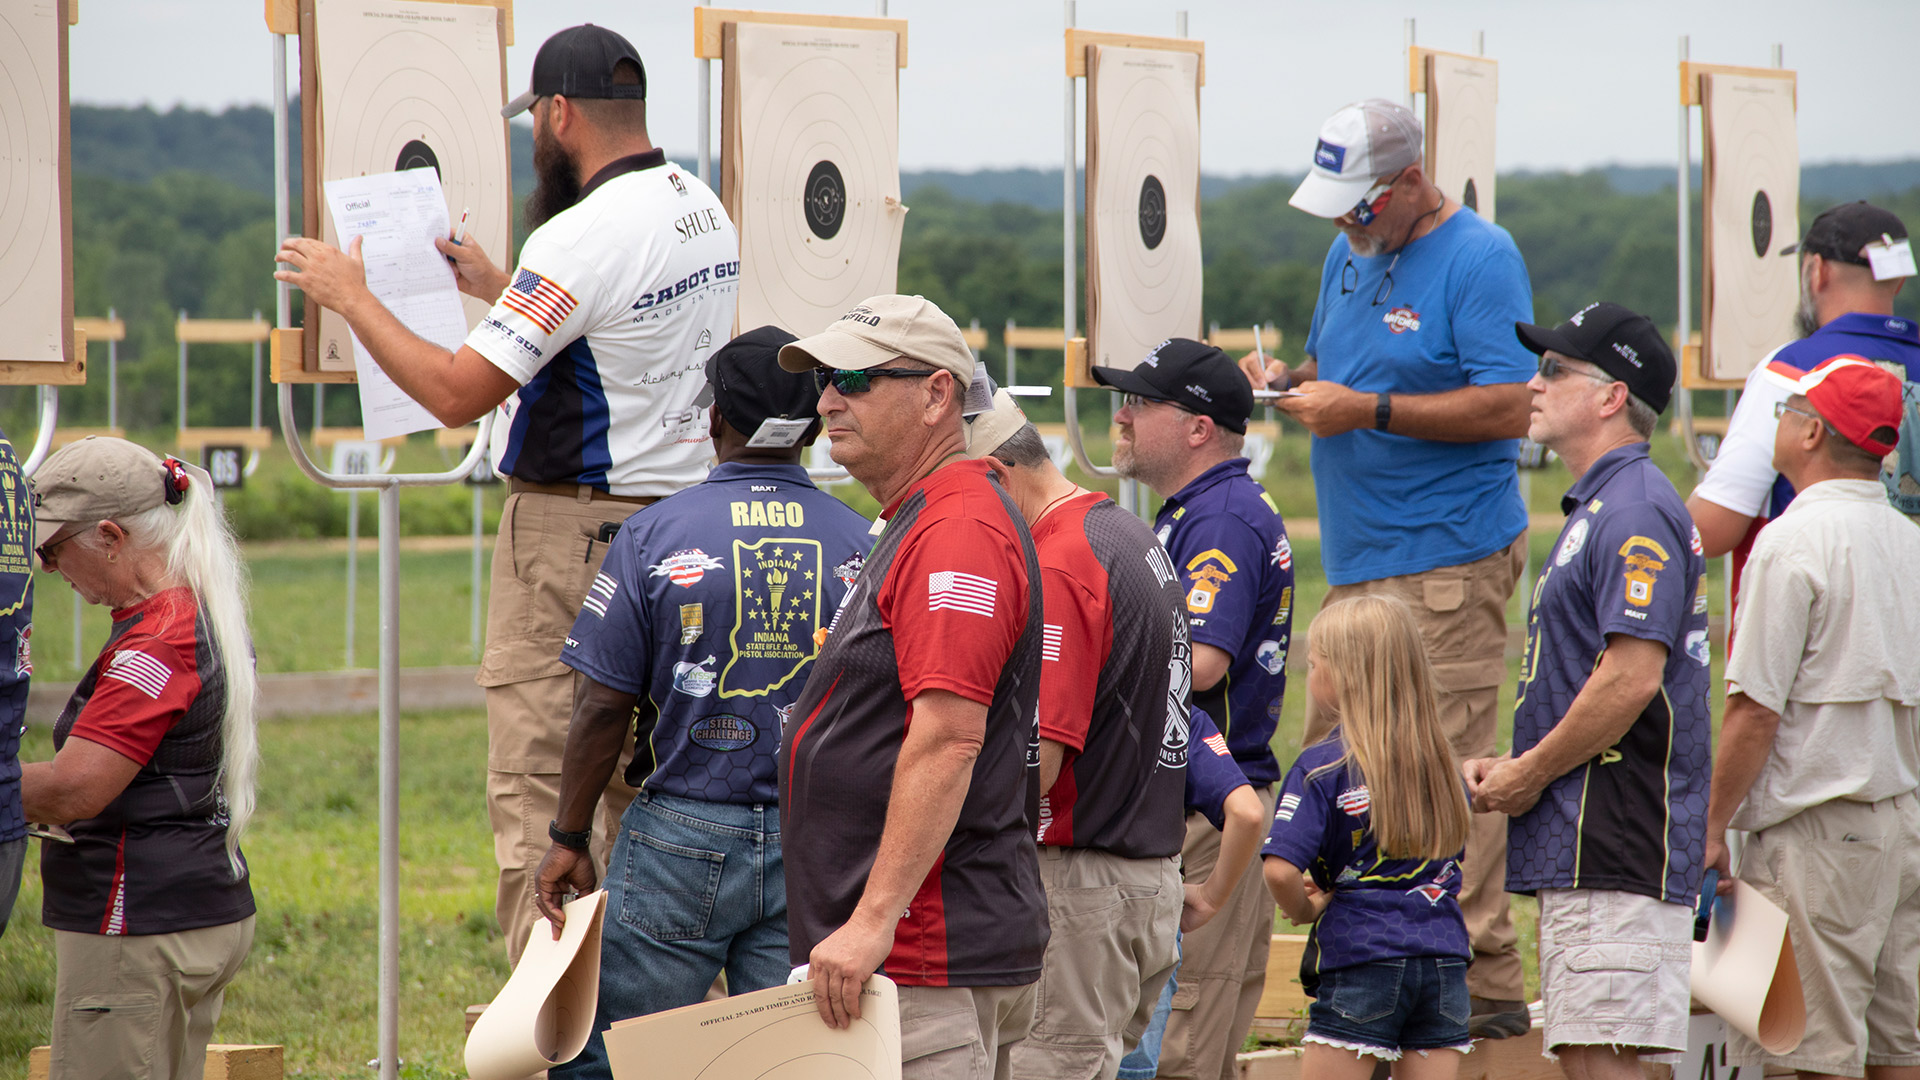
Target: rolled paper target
544 1014
1745 971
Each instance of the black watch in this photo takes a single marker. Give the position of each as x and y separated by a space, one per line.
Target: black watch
578 841
1382 411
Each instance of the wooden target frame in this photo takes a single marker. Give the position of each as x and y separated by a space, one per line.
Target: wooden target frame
1750 209
71 368
1463 93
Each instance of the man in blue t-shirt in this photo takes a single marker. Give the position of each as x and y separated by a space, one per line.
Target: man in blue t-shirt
1181 428
1414 390
16 666
1607 782
701 625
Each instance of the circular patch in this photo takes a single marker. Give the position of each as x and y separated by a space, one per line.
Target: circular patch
1576 539
723 732
1470 198
1762 223
416 155
1153 212
825 200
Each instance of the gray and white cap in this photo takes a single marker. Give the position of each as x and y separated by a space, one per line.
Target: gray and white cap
1363 142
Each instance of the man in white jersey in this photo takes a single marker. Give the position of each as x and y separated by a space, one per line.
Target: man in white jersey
594 353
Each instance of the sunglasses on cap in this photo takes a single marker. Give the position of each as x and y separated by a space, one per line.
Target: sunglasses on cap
859 382
1375 200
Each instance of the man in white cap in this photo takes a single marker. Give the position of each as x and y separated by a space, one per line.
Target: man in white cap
909 771
1415 391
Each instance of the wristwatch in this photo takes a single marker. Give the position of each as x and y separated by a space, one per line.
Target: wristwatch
578 841
1382 411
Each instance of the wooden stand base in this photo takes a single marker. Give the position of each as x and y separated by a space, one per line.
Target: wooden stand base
224 1062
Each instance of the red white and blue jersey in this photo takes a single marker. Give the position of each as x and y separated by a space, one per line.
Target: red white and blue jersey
1633 818
1230 548
949 600
1382 909
607 323
706 608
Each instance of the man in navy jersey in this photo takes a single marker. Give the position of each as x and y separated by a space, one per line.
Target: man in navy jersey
16 666
1181 429
909 776
701 623
1116 726
592 353
1607 782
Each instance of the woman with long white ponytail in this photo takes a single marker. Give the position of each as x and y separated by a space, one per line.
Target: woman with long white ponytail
153 770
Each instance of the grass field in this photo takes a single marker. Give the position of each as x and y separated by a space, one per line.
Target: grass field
309 982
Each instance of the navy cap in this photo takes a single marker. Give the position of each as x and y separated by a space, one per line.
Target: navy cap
1194 376
1842 233
579 62
1620 342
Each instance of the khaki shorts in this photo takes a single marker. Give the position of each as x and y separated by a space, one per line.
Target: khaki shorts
1848 876
962 1032
1614 968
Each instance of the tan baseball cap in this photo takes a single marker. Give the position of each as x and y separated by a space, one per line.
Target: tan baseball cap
96 479
880 329
989 430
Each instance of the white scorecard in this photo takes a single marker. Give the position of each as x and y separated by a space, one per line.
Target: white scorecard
1143 187
401 86
1748 289
810 169
773 1034
36 296
1463 93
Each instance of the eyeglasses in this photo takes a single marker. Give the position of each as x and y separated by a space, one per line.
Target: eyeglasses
859 382
1553 367
1136 402
1350 280
1781 408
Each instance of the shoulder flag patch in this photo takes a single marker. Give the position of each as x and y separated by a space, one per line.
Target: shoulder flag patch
140 671
544 303
599 593
1049 641
951 590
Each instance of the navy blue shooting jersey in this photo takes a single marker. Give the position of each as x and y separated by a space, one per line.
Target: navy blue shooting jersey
1634 817
1382 909
16 629
1212 774
706 607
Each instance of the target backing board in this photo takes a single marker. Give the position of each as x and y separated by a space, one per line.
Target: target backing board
1462 95
1143 201
811 169
1748 289
36 224
398 86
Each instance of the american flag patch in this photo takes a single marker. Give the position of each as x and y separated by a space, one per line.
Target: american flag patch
546 304
599 593
951 590
1049 641
1354 801
140 671
1218 744
1288 804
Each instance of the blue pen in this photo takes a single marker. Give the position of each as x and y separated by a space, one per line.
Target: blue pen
1703 915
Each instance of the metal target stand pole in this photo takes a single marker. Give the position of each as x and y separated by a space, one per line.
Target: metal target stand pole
388 486
1069 277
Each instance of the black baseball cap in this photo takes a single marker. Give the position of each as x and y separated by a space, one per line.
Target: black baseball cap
579 62
757 397
1624 344
1841 233
1196 377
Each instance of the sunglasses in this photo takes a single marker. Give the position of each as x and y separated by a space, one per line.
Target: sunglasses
1136 402
859 382
1781 409
48 561
1552 368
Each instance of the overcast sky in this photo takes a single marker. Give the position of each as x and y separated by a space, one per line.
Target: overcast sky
1581 82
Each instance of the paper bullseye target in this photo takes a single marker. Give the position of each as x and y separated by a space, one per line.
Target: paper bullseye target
1143 182
1752 172
1463 93
405 85
35 299
811 171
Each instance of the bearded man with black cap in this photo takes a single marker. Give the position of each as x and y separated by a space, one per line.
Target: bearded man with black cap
1607 782
701 623
592 353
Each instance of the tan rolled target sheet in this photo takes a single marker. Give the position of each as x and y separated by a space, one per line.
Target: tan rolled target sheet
1463 93
1746 973
811 169
1748 288
36 280
1143 201
544 1014
405 85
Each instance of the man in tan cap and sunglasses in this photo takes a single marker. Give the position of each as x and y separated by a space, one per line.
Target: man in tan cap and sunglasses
908 772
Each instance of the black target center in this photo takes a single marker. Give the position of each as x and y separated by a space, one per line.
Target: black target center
1762 223
1153 212
825 200
1470 198
417 155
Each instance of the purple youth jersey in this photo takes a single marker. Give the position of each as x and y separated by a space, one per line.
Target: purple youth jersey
1634 817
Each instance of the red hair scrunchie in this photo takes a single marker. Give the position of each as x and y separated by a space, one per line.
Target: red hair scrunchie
177 481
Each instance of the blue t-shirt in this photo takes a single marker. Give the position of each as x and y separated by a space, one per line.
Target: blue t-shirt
1634 817
1211 772
1230 546
16 630
1391 504
1883 338
1382 909
706 607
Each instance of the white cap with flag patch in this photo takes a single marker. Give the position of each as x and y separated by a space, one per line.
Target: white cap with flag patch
1363 142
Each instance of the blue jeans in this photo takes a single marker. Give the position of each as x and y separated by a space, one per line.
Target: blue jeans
693 888
1415 1003
1143 1061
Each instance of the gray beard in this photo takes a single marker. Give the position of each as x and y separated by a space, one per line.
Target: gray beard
1805 320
